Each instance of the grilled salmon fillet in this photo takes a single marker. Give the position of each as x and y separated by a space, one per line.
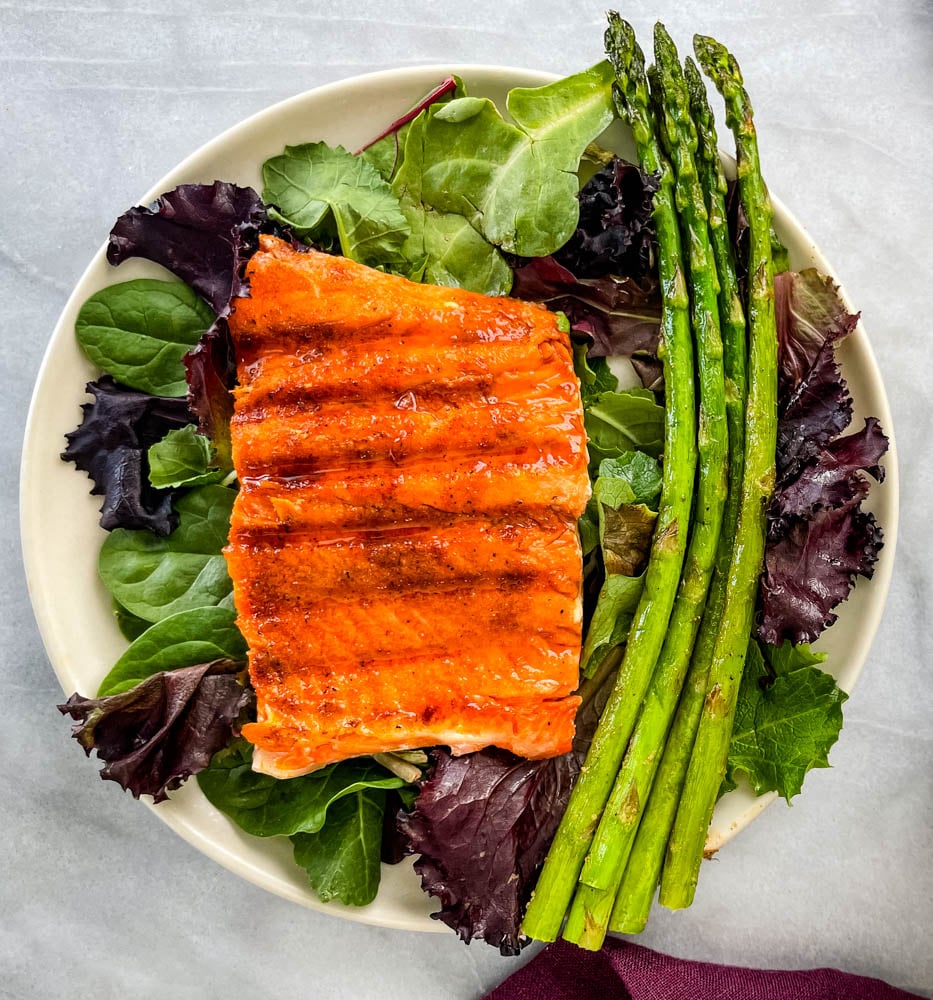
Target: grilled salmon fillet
403 547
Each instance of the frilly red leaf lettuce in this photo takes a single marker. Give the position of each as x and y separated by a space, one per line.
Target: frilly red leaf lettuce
812 414
739 236
203 234
165 729
811 570
483 822
809 315
482 825
831 480
813 400
819 540
111 446
615 234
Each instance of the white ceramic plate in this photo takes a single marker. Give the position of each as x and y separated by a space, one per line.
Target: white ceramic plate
59 519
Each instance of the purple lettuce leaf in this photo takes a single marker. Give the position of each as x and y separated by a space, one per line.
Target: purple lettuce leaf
813 400
203 234
832 479
813 413
483 823
155 735
604 278
819 540
809 315
615 234
211 372
111 446
618 314
737 222
812 569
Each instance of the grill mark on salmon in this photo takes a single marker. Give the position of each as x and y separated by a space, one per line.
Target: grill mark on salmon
403 547
439 556
340 435
525 484
429 372
397 625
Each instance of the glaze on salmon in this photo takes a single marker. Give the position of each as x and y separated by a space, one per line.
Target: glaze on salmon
403 547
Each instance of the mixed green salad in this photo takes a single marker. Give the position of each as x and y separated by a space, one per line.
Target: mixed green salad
724 527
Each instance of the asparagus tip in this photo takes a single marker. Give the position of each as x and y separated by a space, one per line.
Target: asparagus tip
716 59
621 43
664 47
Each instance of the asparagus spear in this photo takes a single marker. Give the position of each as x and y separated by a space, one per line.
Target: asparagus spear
605 863
708 759
558 878
643 870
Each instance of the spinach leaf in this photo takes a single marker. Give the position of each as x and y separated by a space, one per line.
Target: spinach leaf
267 807
131 627
327 193
455 254
182 458
139 331
617 422
343 858
784 725
156 577
516 183
201 635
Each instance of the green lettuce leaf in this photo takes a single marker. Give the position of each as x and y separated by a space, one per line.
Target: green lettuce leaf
342 860
588 526
594 374
153 577
633 477
183 458
269 807
612 618
622 517
785 725
139 331
787 657
327 194
201 635
625 536
617 422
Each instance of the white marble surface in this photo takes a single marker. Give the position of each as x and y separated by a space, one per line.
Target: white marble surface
97 100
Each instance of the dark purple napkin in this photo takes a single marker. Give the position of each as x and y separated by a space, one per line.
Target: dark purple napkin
626 971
